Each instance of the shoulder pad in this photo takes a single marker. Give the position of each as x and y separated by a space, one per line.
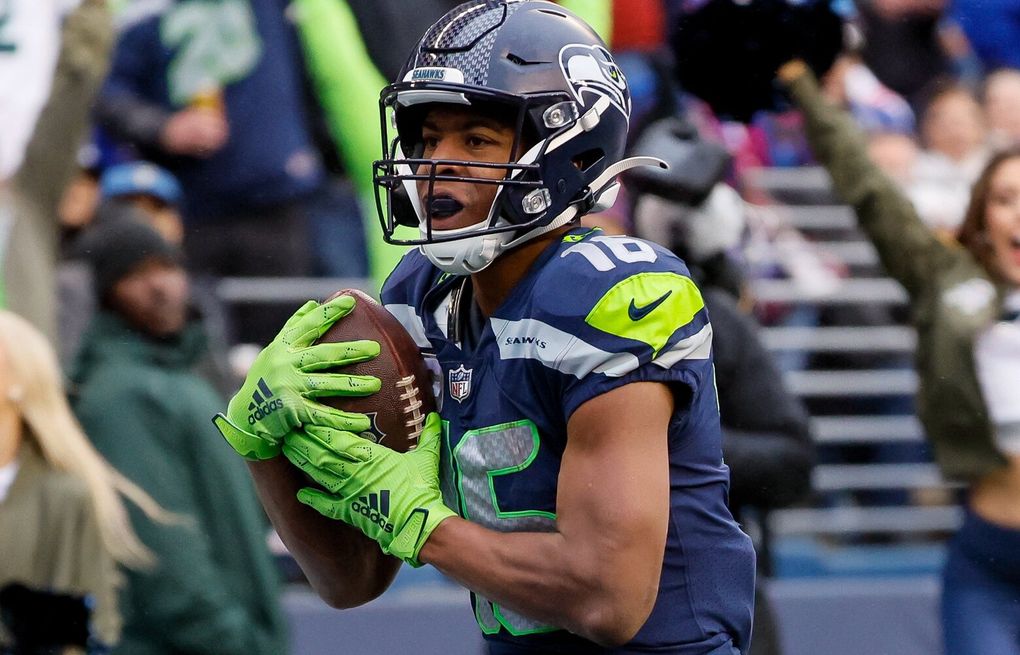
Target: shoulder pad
648 307
619 294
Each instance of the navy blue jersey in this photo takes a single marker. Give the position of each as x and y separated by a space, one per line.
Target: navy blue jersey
593 313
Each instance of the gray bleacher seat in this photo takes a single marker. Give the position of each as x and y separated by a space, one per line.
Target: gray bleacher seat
839 537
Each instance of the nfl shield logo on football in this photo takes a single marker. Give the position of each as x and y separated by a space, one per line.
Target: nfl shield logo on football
460 383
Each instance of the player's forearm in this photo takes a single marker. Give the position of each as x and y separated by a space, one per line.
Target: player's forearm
581 585
343 566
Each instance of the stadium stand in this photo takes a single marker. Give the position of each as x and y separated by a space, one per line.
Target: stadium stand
864 287
856 571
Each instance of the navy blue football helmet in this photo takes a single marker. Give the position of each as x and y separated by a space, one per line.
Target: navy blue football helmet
550 74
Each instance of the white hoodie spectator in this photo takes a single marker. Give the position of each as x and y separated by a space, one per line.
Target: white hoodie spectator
29 42
956 149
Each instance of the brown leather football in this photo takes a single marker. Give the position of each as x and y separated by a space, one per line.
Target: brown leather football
398 409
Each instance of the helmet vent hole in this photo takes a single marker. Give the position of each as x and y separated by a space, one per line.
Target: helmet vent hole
521 61
553 12
588 158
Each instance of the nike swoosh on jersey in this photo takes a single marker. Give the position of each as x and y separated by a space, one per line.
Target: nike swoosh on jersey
637 313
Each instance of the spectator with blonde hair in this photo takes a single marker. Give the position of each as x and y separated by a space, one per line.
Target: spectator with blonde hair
63 525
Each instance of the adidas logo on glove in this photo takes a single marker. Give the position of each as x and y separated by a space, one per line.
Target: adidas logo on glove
376 508
261 405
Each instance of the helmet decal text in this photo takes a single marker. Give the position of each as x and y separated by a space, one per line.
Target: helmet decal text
434 74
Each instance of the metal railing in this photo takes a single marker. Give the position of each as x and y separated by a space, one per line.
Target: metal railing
857 477
852 291
848 521
868 383
802 178
882 339
846 430
237 290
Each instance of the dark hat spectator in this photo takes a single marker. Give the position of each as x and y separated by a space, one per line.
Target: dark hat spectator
121 246
140 356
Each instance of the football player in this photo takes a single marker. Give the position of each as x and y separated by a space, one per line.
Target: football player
573 478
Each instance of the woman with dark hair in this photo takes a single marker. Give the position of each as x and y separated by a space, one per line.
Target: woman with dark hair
965 302
991 216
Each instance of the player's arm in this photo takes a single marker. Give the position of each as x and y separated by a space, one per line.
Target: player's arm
598 574
344 567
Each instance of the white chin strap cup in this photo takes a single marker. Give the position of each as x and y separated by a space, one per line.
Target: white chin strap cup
465 256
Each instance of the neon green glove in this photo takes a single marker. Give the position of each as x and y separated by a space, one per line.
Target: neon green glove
277 396
392 497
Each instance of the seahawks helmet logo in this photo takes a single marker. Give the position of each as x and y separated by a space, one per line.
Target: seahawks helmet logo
591 70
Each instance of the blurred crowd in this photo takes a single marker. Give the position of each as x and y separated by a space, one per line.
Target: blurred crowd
152 150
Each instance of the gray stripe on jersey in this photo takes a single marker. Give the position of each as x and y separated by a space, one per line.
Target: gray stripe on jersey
564 352
696 346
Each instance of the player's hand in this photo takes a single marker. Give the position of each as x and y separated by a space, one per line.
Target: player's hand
279 393
392 497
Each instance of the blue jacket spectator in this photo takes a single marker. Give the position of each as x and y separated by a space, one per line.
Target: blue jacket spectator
238 56
214 92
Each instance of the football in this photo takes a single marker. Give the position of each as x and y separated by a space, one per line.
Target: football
399 408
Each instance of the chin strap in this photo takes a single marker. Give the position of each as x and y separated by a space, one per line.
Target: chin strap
603 194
